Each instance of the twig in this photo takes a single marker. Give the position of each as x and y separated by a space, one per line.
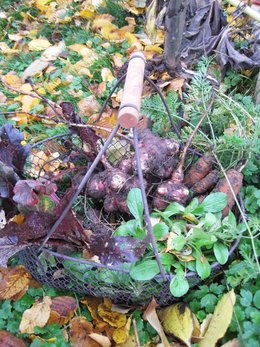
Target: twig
100 128
47 101
137 340
30 114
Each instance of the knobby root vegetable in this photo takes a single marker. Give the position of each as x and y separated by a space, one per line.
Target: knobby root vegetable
157 155
206 183
112 186
168 192
199 170
235 178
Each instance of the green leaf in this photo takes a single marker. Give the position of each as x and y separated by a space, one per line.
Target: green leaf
130 228
135 204
256 299
178 242
173 209
167 258
179 284
201 238
246 297
215 202
160 230
145 270
209 301
221 252
202 266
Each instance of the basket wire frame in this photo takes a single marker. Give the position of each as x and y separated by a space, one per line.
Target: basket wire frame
84 276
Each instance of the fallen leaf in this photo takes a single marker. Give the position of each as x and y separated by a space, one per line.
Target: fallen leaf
28 102
2 219
14 281
150 26
151 316
9 246
5 49
220 320
107 75
100 339
115 319
12 80
63 309
177 320
3 98
88 106
80 329
34 68
36 316
9 340
39 44
232 343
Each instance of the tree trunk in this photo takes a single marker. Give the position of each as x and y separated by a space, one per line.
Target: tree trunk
174 27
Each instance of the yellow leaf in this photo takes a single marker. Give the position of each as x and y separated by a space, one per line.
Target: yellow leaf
107 75
120 335
18 219
28 102
53 84
150 26
88 13
12 80
5 49
20 118
36 316
177 320
115 319
151 316
220 320
133 41
39 44
13 282
42 5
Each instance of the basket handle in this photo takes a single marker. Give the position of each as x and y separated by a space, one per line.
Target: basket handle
128 115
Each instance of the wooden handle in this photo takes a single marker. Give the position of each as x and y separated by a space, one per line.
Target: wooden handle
128 115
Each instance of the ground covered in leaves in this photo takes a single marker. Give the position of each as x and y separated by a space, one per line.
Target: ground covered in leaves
59 60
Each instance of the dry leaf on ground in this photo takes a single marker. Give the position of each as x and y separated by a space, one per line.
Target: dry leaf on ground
36 316
151 316
88 106
14 282
220 320
62 309
177 320
9 340
80 329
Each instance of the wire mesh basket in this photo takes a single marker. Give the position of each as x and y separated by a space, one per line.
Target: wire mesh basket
65 160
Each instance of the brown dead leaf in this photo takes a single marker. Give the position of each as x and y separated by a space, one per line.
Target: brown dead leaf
100 339
98 89
62 309
151 316
92 303
108 120
9 340
80 329
88 106
36 316
14 281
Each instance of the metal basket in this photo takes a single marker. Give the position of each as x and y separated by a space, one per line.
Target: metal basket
64 271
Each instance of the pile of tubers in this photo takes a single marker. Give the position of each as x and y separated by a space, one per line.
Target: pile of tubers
163 177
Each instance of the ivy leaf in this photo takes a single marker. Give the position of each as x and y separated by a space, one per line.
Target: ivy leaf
135 204
215 202
145 270
179 284
221 252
